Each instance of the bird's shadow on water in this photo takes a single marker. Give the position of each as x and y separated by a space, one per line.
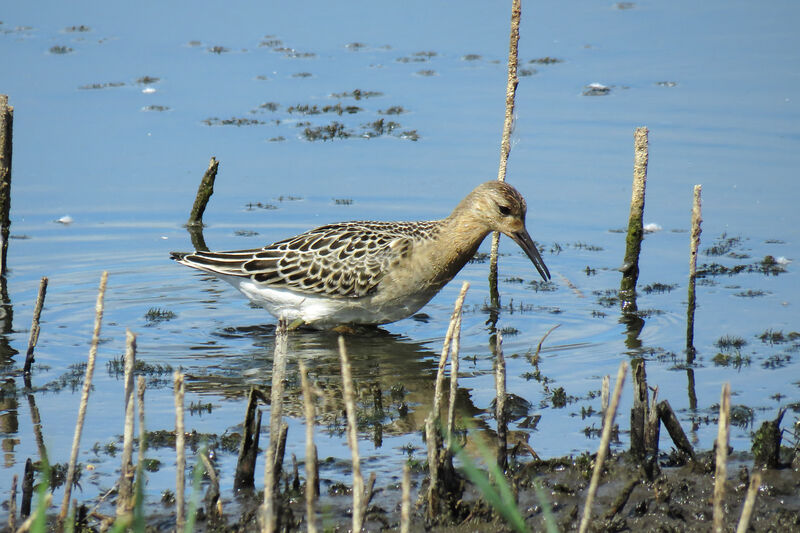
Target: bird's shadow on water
394 376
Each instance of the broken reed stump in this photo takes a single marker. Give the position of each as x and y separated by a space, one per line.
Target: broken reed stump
6 145
721 467
204 192
348 393
180 451
271 474
443 478
213 505
676 433
633 240
639 409
244 479
608 423
87 387
500 406
27 490
246 462
34 336
505 142
311 463
125 486
767 443
697 220
652 433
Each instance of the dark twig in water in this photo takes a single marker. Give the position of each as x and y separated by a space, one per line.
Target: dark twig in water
676 433
34 336
633 241
204 192
6 145
248 449
87 387
505 144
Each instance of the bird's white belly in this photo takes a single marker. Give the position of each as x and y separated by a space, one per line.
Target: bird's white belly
323 311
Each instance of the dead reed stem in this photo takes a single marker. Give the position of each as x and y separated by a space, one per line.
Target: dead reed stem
87 387
124 500
608 422
433 436
405 505
244 478
140 388
352 438
508 124
604 392
451 407
721 473
749 502
12 505
500 405
633 241
204 192
214 478
697 220
544 337
180 450
6 149
275 422
34 336
311 465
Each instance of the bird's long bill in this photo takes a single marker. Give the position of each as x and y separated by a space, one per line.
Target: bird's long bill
529 247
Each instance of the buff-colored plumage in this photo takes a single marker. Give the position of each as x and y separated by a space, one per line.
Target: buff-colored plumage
369 272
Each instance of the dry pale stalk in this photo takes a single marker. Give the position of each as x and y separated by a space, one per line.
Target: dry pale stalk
500 405
723 434
749 502
34 336
352 438
508 123
275 423
12 505
432 435
124 503
311 465
180 450
140 388
87 387
451 408
697 220
405 505
608 422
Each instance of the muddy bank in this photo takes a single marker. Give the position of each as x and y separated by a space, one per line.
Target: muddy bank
678 499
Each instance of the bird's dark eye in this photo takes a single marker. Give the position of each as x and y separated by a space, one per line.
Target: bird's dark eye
504 210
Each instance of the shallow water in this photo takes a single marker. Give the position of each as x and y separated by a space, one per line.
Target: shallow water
126 170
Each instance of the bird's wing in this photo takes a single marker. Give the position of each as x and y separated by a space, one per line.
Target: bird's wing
346 260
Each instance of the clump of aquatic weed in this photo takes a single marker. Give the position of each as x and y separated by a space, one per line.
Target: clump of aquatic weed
156 314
